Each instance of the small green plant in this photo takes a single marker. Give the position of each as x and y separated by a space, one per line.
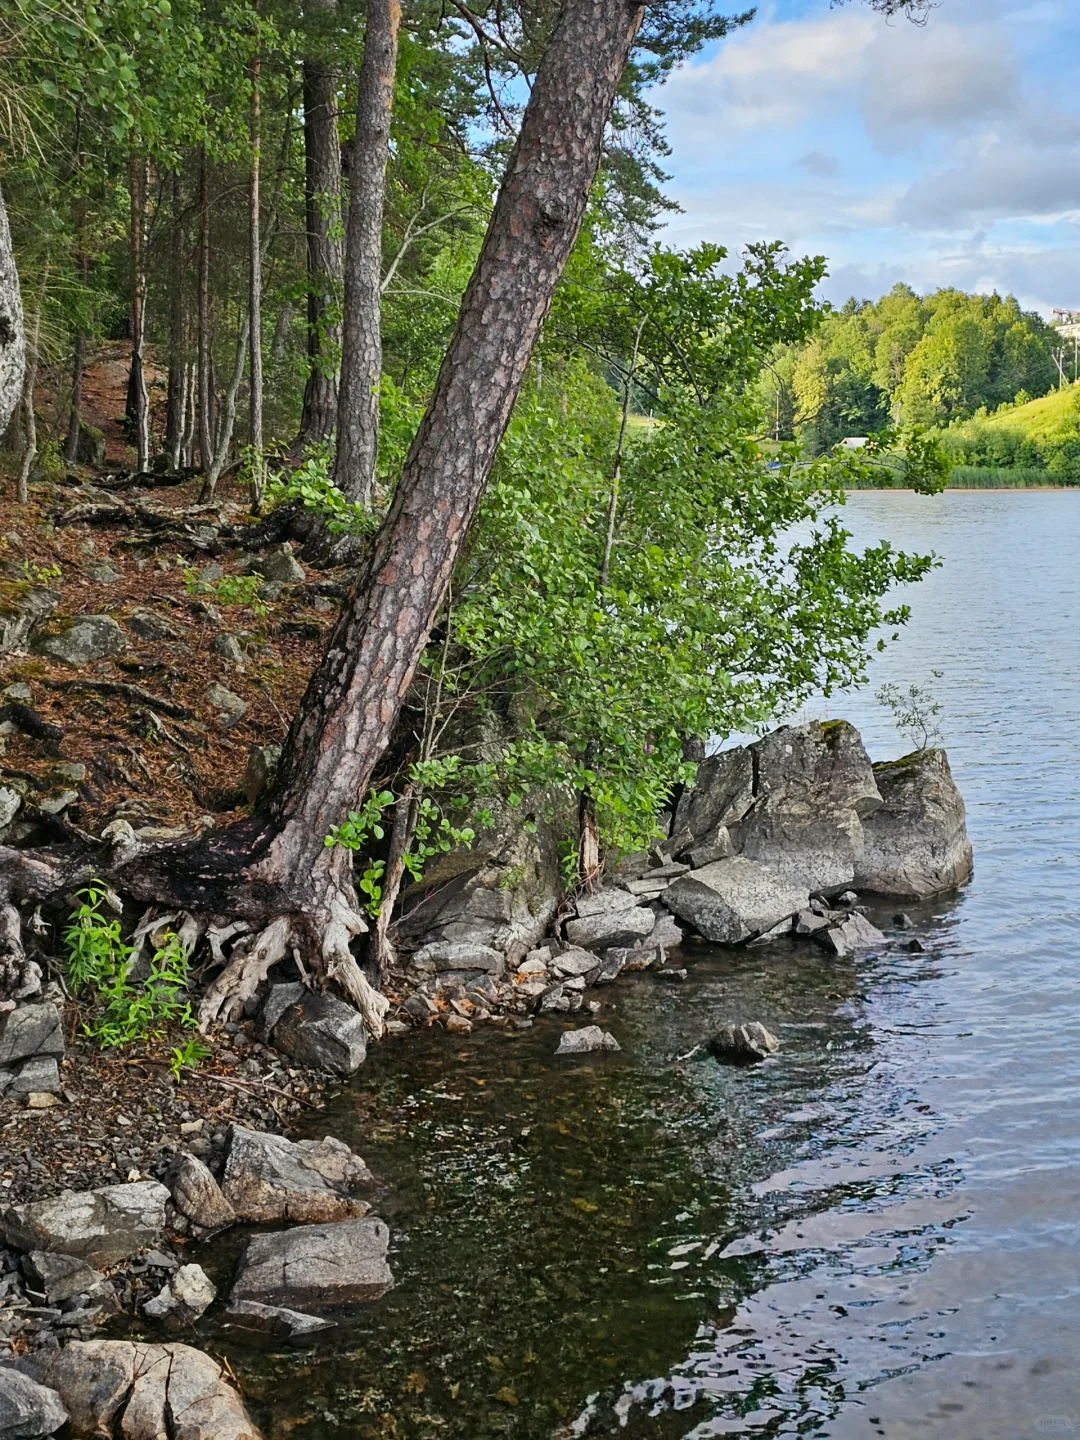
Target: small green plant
188 1056
41 574
100 961
311 485
229 590
915 711
432 832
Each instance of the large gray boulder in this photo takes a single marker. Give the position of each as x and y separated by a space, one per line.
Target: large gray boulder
795 800
101 1226
316 1265
917 843
321 1032
147 1392
30 1031
12 335
19 617
501 892
734 900
609 919
82 640
269 1178
28 1411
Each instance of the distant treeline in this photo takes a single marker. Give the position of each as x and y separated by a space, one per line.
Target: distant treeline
908 360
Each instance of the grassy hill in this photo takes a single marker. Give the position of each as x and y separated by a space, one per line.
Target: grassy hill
1039 419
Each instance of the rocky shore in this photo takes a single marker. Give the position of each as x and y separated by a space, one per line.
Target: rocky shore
153 652
112 1172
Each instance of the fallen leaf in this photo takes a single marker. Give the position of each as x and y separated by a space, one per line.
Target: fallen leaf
507 1396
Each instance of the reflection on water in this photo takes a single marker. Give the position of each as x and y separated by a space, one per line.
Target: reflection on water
873 1235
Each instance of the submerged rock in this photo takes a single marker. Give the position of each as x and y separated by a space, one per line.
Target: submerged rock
916 844
853 932
270 1178
146 1392
585 1041
102 1226
28 1411
316 1265
744 1044
734 900
276 1320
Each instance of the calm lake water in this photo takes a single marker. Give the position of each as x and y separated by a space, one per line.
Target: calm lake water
875 1235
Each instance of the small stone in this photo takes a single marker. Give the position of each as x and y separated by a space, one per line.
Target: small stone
19 691
672 975
914 947
103 573
68 774
186 1296
260 770
149 625
57 801
532 967
228 647
191 1127
226 700
458 1025
903 921
279 565
854 932
585 1041
210 573
276 1320
744 1044
197 1195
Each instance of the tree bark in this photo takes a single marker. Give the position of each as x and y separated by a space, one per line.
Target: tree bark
33 357
12 336
175 390
255 392
361 346
78 368
138 399
206 423
322 198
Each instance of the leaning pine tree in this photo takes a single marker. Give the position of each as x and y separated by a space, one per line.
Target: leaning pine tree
272 875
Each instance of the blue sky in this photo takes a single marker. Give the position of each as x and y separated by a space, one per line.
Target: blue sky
944 154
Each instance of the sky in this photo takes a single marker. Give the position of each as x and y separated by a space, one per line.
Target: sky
944 154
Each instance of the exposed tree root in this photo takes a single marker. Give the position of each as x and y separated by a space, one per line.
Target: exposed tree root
233 887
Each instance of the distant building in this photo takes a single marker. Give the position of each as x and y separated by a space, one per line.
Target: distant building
855 442
1067 324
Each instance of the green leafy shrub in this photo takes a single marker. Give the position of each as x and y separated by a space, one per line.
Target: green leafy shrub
99 961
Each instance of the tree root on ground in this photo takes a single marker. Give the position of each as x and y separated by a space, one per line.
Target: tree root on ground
208 888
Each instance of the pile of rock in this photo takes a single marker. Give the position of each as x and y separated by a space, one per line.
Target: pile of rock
776 838
74 1260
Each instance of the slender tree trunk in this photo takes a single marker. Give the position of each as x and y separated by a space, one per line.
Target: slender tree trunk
227 414
138 400
322 197
33 356
255 391
78 370
175 395
206 424
12 337
361 349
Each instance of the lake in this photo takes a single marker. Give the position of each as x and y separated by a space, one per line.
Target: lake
876 1234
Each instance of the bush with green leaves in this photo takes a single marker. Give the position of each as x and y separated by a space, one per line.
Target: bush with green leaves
623 594
99 962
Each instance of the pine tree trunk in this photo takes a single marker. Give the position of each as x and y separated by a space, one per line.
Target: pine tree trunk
12 337
322 197
255 392
361 347
78 369
138 400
